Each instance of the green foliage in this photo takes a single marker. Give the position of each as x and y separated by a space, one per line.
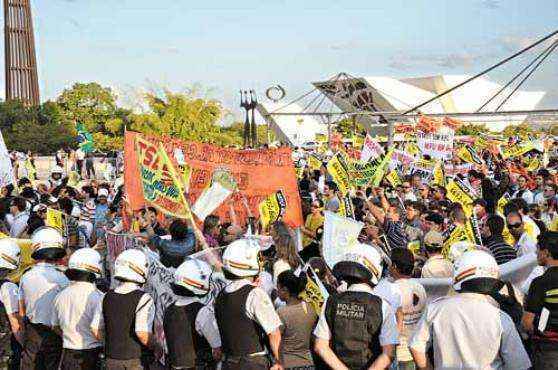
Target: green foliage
473 130
346 127
521 130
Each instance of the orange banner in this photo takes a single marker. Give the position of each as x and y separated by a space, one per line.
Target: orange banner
258 173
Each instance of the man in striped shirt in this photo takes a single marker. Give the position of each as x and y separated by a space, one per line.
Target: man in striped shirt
494 241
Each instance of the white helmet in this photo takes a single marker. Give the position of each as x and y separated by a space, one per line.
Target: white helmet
473 265
57 169
458 248
193 275
131 265
47 242
413 300
9 254
241 258
364 256
86 260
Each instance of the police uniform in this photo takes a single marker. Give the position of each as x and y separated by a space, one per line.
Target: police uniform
357 323
245 316
468 330
190 332
74 309
38 289
9 305
123 312
543 295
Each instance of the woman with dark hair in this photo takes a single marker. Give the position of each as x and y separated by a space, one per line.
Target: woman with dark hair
212 230
298 320
286 257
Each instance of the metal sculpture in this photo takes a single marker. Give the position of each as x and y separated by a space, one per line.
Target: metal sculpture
249 102
22 82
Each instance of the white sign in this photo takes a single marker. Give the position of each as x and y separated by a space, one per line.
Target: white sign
370 150
340 234
210 199
6 170
437 146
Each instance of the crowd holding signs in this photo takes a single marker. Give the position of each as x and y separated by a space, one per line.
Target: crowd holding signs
312 248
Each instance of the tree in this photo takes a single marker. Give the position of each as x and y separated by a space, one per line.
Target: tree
521 130
472 130
95 106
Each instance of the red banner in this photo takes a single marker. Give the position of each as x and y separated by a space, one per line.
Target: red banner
258 173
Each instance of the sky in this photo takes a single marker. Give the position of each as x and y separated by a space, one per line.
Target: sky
222 46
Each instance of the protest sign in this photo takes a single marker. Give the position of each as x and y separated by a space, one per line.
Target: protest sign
381 169
400 157
258 173
393 178
210 199
436 145
26 249
340 233
469 155
438 174
313 295
272 208
6 170
56 219
370 149
314 163
338 168
520 148
458 193
362 173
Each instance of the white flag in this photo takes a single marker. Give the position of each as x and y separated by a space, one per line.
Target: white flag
370 149
210 199
6 171
340 234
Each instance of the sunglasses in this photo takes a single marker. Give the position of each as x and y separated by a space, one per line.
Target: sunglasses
515 226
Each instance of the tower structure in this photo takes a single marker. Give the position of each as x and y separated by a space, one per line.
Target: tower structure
22 82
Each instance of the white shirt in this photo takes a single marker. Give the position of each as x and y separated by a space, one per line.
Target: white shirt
74 309
258 306
80 155
18 224
388 332
145 310
389 292
469 331
9 297
205 323
38 288
527 195
525 245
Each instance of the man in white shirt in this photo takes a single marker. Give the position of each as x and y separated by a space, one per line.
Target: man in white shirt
20 216
523 191
524 243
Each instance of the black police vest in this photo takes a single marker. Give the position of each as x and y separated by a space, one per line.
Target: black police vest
186 347
240 336
119 313
355 321
550 302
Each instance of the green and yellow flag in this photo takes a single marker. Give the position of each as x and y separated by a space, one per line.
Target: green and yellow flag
338 168
272 208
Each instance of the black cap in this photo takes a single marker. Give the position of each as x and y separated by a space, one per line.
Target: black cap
435 217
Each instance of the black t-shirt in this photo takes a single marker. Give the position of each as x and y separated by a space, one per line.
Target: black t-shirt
541 292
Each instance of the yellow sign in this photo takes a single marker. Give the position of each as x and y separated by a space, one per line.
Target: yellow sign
393 178
56 219
272 208
517 149
459 194
313 295
338 169
381 170
314 163
439 177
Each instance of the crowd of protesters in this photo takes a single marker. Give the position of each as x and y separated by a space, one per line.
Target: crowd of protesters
377 314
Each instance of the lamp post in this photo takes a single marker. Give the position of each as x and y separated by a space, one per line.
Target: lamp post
246 106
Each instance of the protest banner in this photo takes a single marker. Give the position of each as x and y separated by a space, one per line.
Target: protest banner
393 178
258 173
6 170
272 208
370 149
452 170
338 168
469 155
381 169
436 145
518 149
56 219
340 233
26 249
313 295
362 173
400 157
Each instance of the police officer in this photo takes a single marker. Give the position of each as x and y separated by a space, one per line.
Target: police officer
357 329
191 332
11 329
468 330
126 314
245 315
38 288
541 304
74 309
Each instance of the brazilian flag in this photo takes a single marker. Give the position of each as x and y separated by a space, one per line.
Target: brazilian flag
84 139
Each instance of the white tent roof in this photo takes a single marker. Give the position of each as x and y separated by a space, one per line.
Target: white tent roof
295 130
